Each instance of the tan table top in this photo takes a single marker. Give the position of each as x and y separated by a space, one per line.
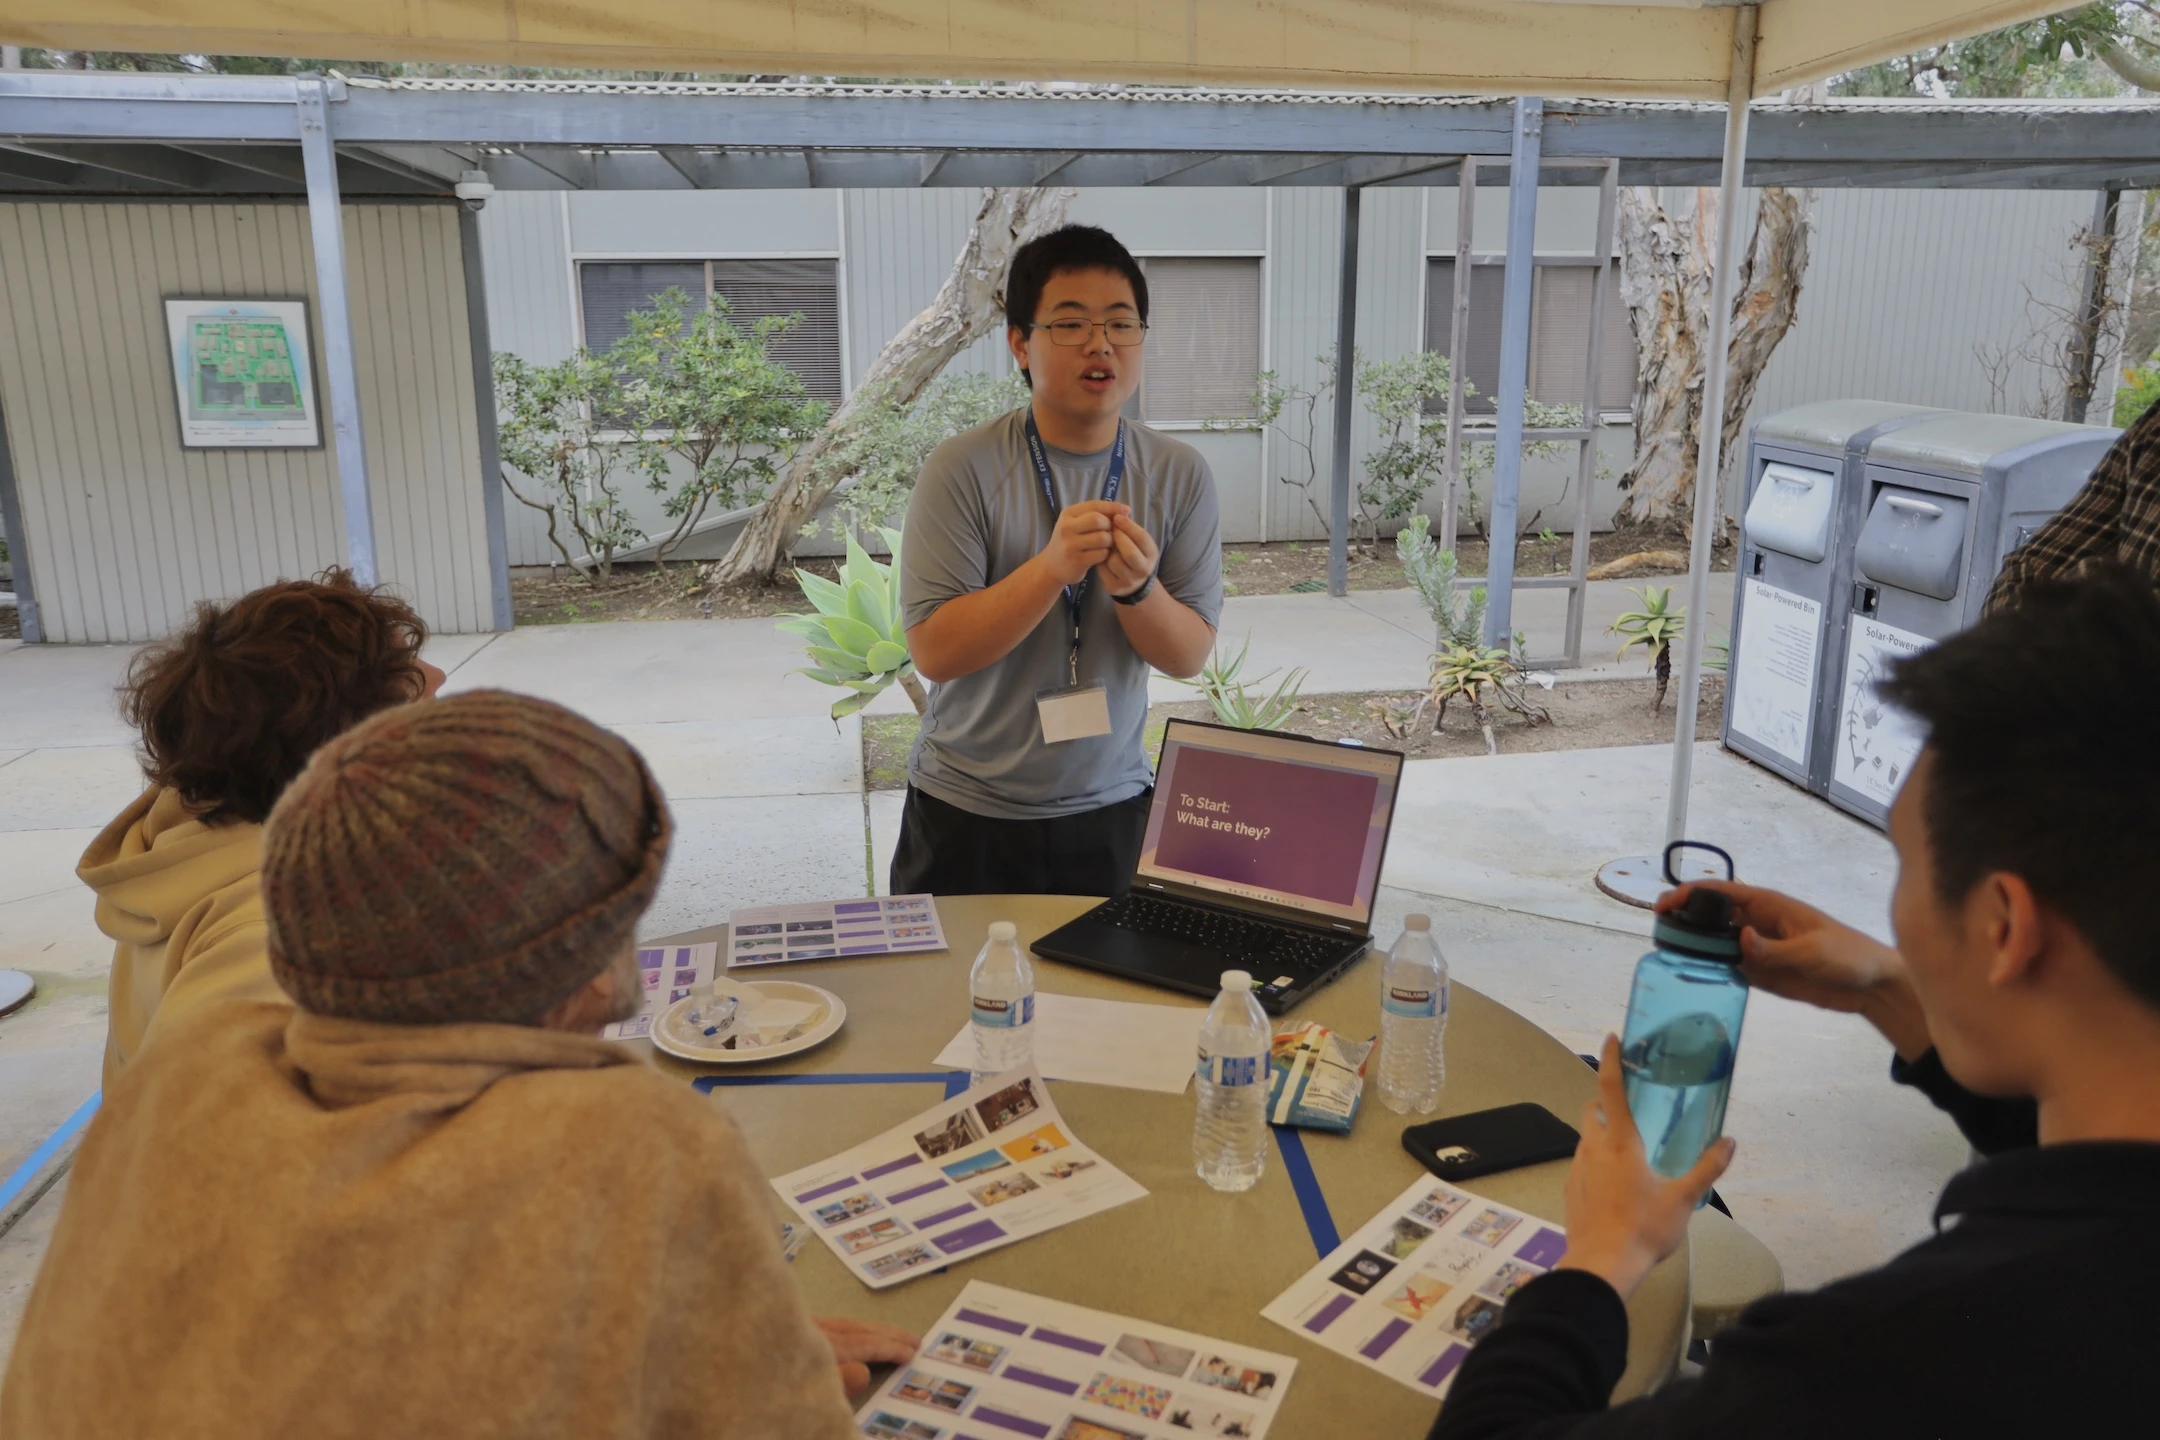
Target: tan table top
1185 1256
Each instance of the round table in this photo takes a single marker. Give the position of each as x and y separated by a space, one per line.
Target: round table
1185 1256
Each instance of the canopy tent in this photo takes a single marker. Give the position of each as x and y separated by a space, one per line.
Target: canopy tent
1727 50
1671 48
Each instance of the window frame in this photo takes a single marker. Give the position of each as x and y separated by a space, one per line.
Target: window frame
1608 414
1261 259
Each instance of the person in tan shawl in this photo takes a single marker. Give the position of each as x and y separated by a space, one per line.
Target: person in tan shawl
228 711
430 1200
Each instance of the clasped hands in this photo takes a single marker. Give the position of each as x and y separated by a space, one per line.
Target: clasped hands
1101 535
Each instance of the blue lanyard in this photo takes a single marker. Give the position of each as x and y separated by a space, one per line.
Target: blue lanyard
1075 595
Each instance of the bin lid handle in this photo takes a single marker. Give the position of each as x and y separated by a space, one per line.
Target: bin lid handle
1797 478
1916 507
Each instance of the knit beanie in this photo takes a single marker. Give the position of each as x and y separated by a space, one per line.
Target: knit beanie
470 859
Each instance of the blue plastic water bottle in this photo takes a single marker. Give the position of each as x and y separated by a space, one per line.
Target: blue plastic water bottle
1683 1025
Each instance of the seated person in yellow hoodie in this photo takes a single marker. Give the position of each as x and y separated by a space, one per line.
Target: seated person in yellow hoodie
426 1199
229 710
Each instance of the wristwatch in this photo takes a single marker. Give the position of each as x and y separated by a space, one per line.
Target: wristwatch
1136 596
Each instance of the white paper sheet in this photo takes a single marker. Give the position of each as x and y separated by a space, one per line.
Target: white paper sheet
833 930
1016 1364
1773 669
986 1168
1418 1284
669 974
1104 1042
1877 742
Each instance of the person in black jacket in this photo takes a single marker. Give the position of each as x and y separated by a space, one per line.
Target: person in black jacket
2023 997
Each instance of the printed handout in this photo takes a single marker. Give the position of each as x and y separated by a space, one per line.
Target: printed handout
986 1168
1003 1363
833 930
1420 1283
668 973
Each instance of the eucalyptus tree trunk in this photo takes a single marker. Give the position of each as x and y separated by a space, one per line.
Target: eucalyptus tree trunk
1666 267
969 305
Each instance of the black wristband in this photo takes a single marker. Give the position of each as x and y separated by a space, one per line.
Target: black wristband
1136 596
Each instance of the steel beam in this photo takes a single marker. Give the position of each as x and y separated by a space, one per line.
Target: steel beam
1338 565
1523 172
483 377
326 222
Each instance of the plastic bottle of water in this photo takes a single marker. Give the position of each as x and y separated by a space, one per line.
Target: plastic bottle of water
1001 1004
1229 1139
1413 1021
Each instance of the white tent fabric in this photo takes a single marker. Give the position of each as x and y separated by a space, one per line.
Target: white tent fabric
1589 48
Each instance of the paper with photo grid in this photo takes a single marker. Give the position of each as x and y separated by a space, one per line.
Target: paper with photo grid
1002 1363
833 930
986 1168
669 972
1420 1283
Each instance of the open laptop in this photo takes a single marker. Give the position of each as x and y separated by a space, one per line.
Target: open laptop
1263 852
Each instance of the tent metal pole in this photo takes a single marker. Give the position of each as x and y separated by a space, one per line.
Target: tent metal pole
1338 564
1524 167
1739 89
326 222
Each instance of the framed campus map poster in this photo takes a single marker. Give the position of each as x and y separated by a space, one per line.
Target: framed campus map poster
244 374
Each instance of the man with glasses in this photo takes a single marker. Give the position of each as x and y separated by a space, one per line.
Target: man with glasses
1051 558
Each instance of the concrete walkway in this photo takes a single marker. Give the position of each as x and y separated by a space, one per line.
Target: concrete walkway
1837 1168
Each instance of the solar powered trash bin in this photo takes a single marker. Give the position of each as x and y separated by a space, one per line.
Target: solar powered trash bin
1804 503
1946 499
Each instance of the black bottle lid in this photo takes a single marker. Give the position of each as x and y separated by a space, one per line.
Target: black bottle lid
1703 926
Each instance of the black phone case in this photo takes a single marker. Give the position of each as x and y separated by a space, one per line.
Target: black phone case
1463 1146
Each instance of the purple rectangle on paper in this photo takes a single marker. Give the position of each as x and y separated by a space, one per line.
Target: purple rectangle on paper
914 944
1389 1334
863 949
1543 1249
942 1216
906 1195
1446 1365
984 1415
1327 1313
822 1191
856 907
995 1322
1071 1342
886 1169
1021 1375
967 1237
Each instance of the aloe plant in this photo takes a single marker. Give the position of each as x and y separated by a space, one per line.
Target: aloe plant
1470 673
1240 703
857 639
1657 627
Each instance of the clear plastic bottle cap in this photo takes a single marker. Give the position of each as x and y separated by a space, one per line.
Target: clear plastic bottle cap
1237 980
1003 932
1417 922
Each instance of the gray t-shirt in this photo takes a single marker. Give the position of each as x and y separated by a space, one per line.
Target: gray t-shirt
977 516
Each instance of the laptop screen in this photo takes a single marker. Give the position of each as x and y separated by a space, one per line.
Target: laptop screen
1259 816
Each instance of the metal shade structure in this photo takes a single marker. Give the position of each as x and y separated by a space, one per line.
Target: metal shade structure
1670 48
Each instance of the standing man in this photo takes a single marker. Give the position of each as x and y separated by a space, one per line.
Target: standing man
1052 556
2116 517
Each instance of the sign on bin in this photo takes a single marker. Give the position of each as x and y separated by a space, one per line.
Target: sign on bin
1774 669
1877 742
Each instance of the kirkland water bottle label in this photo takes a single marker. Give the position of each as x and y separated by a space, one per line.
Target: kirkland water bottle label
1001 1014
1234 1070
1412 1004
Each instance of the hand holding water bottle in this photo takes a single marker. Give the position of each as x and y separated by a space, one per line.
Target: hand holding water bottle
1622 1216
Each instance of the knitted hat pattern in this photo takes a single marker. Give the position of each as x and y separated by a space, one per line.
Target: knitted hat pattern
476 858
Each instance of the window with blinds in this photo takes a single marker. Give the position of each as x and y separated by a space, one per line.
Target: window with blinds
1203 341
1560 300
753 290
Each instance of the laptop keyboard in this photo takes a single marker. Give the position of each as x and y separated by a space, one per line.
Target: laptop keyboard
1255 943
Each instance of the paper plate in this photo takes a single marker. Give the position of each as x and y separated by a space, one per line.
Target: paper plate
826 1014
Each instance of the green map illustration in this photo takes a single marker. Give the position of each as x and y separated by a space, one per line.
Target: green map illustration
243 370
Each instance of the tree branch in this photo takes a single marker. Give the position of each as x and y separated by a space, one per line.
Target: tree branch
2144 74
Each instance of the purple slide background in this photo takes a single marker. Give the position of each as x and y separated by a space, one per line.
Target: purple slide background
1317 821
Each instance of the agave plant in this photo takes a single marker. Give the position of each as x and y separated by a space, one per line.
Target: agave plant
1655 627
857 640
1458 619
1472 673
1238 702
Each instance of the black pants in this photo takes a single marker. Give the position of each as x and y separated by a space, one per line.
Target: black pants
945 850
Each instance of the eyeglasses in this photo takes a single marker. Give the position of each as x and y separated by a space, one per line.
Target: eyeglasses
1122 331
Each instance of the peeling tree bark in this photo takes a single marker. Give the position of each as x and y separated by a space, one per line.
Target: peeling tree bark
968 306
1665 273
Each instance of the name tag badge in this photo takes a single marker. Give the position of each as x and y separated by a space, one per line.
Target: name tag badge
1080 713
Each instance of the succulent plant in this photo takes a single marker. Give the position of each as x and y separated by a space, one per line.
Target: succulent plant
857 639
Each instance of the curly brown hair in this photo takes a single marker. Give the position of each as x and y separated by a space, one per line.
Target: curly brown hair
231 708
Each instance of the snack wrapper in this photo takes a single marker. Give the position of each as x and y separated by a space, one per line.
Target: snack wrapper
1315 1078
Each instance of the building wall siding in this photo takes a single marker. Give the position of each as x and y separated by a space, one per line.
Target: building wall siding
125 530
